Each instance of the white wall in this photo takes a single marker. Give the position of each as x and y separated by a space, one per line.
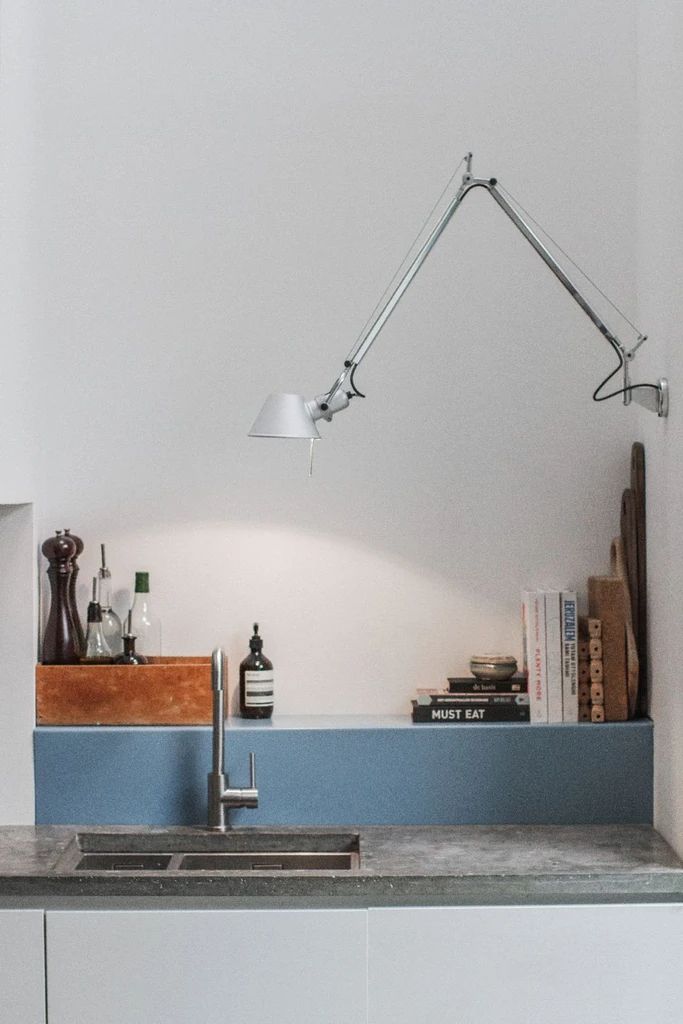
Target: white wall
219 195
660 252
17 658
16 196
17 402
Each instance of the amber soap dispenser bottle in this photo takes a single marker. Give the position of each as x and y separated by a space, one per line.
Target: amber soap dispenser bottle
256 681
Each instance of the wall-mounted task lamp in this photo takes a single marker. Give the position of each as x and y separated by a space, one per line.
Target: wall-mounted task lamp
287 415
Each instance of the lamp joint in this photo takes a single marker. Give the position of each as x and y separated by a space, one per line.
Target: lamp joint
630 354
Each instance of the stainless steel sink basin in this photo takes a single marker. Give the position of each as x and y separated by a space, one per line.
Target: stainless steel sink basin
123 862
236 852
267 862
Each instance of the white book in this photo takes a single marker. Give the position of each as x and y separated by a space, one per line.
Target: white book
533 617
527 640
570 666
553 650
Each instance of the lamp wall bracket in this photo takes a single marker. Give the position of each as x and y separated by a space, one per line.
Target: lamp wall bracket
654 397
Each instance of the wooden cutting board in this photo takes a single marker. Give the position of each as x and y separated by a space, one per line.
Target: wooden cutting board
633 535
629 539
618 561
640 611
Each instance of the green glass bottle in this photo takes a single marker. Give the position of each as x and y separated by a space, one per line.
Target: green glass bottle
142 622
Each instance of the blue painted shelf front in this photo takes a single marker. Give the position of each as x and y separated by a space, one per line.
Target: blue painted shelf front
351 770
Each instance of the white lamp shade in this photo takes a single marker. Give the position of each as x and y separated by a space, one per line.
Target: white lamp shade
284 415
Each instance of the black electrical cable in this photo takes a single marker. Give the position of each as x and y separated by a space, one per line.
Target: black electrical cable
353 383
597 397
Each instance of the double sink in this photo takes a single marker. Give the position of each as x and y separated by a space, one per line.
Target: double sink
236 852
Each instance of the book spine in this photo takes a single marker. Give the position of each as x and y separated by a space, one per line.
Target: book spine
553 649
517 684
534 619
527 642
465 699
570 671
470 714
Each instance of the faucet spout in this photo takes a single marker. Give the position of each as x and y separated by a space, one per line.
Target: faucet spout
221 796
217 676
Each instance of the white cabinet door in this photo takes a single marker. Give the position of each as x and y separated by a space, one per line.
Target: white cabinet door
526 965
207 967
22 967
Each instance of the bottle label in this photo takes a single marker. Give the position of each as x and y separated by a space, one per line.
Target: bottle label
258 689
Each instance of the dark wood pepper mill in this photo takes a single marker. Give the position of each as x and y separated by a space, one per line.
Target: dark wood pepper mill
80 634
60 642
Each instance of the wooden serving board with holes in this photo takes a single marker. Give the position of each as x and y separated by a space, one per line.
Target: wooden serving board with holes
167 691
608 601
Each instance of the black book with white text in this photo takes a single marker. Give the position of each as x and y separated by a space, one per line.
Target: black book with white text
469 713
468 684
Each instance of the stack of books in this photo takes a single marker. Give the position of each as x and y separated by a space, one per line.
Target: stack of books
550 645
468 700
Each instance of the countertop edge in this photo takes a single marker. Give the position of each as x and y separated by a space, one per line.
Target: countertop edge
261 892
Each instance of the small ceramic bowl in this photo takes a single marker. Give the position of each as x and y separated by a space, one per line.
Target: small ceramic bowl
493 666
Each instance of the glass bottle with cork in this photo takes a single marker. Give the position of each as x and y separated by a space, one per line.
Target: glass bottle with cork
256 681
142 623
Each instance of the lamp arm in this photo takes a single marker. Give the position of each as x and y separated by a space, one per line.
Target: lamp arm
651 396
557 270
367 339
625 354
369 335
654 397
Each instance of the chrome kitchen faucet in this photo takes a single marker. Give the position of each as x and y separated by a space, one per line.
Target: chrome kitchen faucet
221 796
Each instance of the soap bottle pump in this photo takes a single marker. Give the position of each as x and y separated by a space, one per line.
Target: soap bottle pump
256 681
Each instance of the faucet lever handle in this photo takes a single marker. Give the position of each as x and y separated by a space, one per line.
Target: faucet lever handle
252 770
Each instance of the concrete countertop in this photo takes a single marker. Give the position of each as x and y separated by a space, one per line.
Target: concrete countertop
399 866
